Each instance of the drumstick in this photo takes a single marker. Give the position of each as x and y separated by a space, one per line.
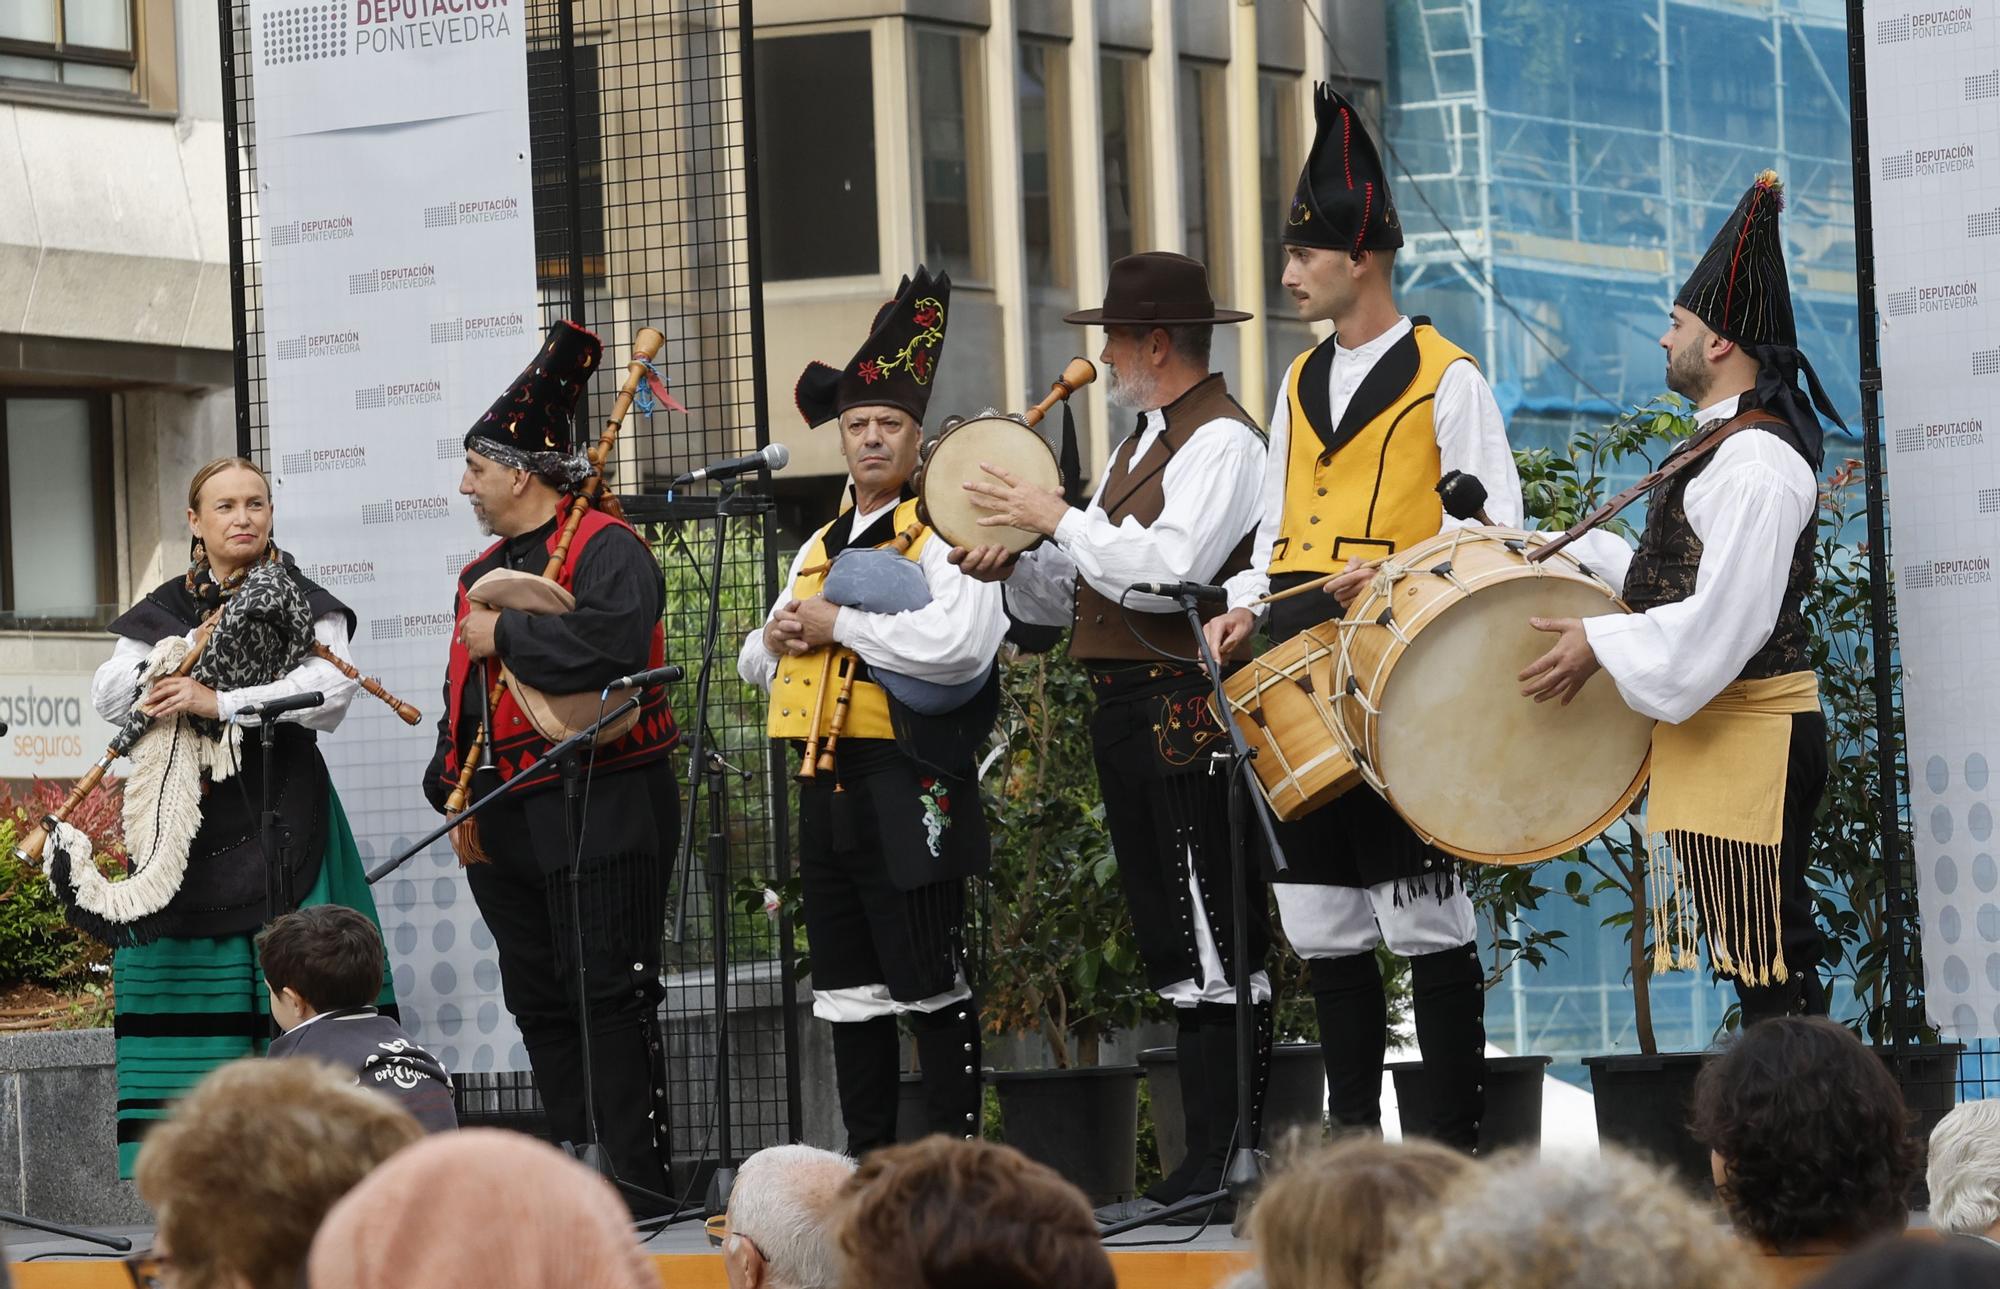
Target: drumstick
808 767
1313 585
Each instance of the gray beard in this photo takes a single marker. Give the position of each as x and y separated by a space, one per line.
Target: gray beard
1119 391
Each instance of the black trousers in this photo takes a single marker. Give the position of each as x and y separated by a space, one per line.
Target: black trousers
1801 992
525 896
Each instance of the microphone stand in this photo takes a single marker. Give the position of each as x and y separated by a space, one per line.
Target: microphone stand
275 838
1246 1166
118 1242
704 764
568 758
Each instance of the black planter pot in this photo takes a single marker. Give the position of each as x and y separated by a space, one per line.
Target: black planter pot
1642 1105
1083 1123
1513 1115
1295 1099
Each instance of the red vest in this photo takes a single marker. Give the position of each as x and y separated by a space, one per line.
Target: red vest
514 746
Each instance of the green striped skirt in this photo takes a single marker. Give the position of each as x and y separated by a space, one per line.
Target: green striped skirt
187 1006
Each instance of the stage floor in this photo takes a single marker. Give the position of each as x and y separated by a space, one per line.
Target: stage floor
681 1254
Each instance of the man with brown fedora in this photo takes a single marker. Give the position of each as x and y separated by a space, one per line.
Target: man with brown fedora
1178 503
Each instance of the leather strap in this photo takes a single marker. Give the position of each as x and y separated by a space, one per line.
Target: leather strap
1697 449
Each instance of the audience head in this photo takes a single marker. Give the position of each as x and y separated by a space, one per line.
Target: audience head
945 1213
1329 1217
1809 1136
243 1172
781 1219
480 1208
1526 1223
1901 1263
1964 1172
325 957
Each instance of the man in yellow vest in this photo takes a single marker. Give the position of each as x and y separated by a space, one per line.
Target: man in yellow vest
1718 648
1368 422
891 826
1177 503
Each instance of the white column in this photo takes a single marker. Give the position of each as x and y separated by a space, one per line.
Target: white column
1166 229
1245 249
896 151
1086 173
1003 151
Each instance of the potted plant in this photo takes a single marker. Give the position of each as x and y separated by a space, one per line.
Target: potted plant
1061 963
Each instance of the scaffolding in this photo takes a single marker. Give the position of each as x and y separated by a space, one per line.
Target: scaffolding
1564 166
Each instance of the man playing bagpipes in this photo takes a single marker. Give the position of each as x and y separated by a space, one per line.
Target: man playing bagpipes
1717 648
524 476
890 696
243 625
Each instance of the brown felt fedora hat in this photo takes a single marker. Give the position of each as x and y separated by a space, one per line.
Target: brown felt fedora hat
1157 289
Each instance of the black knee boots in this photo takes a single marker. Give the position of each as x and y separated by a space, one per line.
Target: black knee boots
1353 1037
1447 992
866 1071
948 1048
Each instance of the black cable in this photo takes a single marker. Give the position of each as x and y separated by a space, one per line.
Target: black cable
1145 643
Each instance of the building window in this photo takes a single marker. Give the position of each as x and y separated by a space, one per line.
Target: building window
948 149
58 561
1204 198
816 212
1047 219
1121 83
1279 160
548 108
84 44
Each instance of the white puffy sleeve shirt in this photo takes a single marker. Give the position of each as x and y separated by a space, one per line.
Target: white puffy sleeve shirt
1211 488
1471 436
1748 506
115 686
951 640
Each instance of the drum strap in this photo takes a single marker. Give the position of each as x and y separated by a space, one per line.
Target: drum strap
1697 449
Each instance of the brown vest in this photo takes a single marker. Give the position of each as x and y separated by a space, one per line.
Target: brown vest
1137 489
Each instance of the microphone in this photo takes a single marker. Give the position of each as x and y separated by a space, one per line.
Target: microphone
775 457
278 706
1464 496
666 675
1175 590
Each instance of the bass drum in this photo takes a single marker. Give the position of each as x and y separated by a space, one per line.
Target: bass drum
953 461
1427 698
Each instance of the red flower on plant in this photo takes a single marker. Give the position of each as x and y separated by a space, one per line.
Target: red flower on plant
868 371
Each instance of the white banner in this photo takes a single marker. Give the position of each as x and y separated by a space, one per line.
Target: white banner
1934 139
52 730
397 239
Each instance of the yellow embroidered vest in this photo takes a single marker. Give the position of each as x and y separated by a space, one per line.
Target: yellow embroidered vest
1373 492
796 691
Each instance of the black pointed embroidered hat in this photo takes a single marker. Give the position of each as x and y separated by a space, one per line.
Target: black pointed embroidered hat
1739 288
1343 201
895 366
530 426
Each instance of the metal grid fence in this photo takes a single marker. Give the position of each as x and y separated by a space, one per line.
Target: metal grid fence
645 215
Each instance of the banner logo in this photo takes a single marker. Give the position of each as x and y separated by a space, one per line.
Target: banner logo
402 626
409 393
1970 433
407 277
483 210
352 457
1942 297
1985 362
493 326
327 344
405 509
1931 573
1984 85
357 572
305 33
392 26
336 228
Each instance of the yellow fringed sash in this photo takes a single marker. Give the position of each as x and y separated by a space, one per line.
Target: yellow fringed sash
1717 803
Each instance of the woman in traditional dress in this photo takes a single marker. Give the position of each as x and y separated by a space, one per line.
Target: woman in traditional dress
187 989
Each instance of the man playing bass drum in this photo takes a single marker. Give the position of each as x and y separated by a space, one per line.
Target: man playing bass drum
1368 422
522 474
